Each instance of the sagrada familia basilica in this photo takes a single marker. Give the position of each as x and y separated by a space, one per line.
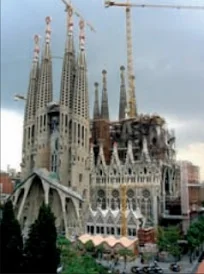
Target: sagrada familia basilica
78 165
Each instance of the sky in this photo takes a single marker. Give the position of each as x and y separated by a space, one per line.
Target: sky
168 63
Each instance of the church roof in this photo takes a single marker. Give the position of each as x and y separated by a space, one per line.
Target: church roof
52 180
116 212
109 240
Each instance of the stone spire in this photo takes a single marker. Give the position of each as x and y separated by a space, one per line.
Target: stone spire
80 97
66 102
78 176
30 111
104 103
96 114
44 97
68 69
30 108
123 99
45 85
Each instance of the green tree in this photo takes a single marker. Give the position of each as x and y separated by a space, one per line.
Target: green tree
11 242
74 262
195 235
41 252
167 240
89 246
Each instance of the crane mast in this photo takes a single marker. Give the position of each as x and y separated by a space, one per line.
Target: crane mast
131 110
132 104
123 189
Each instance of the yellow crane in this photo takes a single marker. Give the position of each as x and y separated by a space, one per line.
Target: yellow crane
132 107
123 193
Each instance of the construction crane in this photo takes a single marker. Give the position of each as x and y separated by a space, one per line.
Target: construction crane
18 97
132 107
123 192
69 7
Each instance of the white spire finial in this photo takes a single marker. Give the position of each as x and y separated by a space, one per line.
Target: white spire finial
48 29
70 21
81 34
36 48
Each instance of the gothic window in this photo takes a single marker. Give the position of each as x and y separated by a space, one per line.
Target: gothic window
80 177
130 193
129 171
56 144
101 193
145 170
115 193
145 193
103 203
154 140
112 204
118 230
134 204
149 208
112 230
143 207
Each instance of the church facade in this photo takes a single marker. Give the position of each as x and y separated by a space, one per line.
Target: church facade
78 165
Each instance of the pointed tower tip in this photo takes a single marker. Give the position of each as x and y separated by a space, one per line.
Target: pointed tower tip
104 103
96 114
48 31
70 22
82 34
123 99
36 47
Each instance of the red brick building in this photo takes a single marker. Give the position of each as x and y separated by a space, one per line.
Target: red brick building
146 236
6 186
194 186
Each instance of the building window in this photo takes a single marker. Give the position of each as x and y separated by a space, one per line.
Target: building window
80 177
118 231
97 229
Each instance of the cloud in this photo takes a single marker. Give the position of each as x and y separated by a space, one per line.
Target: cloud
168 57
11 139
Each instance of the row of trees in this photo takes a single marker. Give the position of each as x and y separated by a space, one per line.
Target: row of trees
39 252
42 251
76 260
168 238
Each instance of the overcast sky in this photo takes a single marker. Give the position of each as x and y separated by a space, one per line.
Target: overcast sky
168 62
